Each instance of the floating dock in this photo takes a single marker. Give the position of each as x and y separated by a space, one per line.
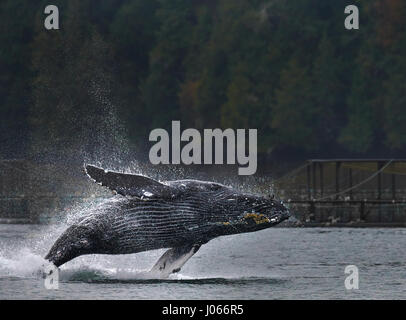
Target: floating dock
347 192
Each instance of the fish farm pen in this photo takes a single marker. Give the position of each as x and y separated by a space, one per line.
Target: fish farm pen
322 192
357 192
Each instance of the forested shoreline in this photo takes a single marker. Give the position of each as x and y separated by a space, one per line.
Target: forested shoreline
118 69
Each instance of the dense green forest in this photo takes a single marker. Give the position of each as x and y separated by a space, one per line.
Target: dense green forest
117 69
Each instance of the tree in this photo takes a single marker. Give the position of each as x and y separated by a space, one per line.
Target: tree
295 117
16 23
327 92
358 134
73 115
161 88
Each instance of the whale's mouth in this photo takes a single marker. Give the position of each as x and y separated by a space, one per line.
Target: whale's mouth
280 217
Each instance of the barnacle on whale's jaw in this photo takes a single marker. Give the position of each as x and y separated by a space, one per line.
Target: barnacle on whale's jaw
264 220
258 218
264 213
253 221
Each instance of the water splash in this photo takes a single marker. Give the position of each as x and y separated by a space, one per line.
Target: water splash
23 263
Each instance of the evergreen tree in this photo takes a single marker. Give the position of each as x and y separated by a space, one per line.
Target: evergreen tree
295 117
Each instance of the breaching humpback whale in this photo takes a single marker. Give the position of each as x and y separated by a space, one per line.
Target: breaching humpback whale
179 215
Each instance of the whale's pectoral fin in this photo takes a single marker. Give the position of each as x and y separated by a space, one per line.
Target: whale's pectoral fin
174 259
129 184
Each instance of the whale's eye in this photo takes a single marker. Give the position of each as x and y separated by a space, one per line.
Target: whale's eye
215 186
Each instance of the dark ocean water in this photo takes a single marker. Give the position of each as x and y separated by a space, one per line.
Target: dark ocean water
278 263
